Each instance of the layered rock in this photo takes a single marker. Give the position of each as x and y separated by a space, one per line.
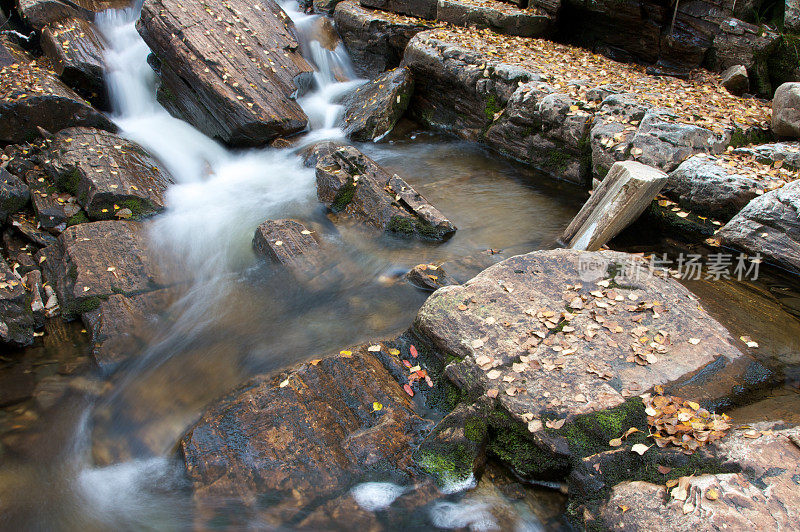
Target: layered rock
497 16
769 225
375 107
91 262
353 186
14 194
75 49
39 13
375 40
31 97
16 319
110 176
301 437
559 336
706 187
425 9
230 69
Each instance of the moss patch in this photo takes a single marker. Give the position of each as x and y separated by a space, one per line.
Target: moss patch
344 196
492 107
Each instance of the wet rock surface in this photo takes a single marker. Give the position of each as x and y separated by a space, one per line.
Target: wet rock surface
373 109
211 75
39 13
769 225
353 186
75 49
112 177
283 444
16 319
762 495
705 186
374 39
551 347
31 97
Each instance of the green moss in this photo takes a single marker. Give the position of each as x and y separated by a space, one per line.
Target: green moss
448 465
559 160
475 429
741 137
344 196
784 62
510 442
72 272
77 218
69 181
82 306
401 225
492 107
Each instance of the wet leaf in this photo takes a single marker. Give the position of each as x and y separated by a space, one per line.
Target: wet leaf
374 348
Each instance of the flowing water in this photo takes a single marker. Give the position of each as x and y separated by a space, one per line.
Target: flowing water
94 452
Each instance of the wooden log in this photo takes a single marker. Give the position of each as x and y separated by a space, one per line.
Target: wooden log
622 196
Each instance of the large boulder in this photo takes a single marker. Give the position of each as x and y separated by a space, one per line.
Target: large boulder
39 13
375 107
212 76
705 186
791 15
558 337
749 45
110 176
90 262
786 111
75 48
374 39
496 15
763 495
282 445
32 97
354 187
769 225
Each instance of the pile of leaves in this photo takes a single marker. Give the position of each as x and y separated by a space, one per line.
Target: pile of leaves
19 81
684 424
700 100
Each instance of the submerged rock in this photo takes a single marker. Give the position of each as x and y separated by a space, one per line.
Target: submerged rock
31 97
353 186
375 40
107 173
706 187
375 107
211 75
558 336
769 225
281 445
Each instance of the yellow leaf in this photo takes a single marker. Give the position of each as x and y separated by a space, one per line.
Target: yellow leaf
376 407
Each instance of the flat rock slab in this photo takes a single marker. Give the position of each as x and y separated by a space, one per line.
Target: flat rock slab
75 48
769 225
31 96
91 262
374 39
282 444
425 9
229 68
375 107
353 186
705 186
764 496
107 174
121 326
545 342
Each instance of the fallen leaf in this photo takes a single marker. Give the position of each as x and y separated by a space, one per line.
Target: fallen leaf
408 390
640 448
555 424
712 494
285 383
616 442
376 407
374 348
413 351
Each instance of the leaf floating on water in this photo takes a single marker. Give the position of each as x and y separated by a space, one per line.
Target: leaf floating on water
749 341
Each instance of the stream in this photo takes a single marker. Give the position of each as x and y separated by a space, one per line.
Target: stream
93 452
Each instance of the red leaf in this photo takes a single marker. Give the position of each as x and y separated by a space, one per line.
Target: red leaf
429 381
413 351
406 363
408 390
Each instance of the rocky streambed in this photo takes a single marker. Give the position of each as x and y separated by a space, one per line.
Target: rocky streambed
223 306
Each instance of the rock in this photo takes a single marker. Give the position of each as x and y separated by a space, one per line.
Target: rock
30 230
787 153
211 78
353 186
39 13
791 15
374 39
75 49
769 225
750 45
539 126
429 277
414 8
54 209
14 195
90 262
31 97
375 107
19 252
497 16
33 284
107 173
121 326
614 127
452 91
16 319
786 111
704 186
289 243
665 143
551 353
735 80
301 437
762 496
617 202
